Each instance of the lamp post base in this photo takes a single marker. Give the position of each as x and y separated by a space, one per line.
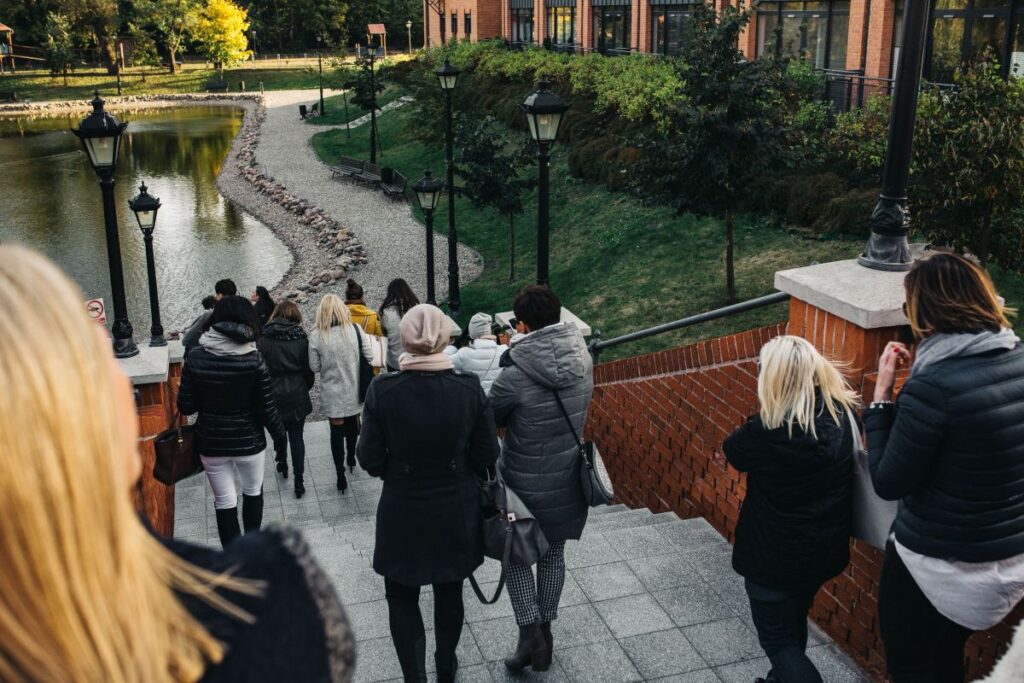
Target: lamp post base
125 348
158 341
886 252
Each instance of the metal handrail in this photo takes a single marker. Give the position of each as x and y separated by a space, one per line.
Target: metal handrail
597 345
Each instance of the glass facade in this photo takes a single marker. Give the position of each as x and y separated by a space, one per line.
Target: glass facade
965 31
467 20
671 26
562 26
815 31
522 25
611 28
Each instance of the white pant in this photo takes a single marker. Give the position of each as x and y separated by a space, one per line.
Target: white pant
221 474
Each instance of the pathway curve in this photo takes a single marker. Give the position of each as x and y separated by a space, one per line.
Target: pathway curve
393 239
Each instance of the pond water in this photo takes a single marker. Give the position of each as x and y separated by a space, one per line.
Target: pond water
51 201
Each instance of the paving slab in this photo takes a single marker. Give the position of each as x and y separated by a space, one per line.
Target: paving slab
661 654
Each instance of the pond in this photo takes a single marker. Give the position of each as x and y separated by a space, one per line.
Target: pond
51 201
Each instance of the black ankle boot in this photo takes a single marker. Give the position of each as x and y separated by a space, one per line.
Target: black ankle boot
252 512
282 467
530 651
545 628
300 488
447 667
227 525
342 482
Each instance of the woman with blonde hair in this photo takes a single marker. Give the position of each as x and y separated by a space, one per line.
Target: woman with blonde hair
335 349
87 593
794 526
951 450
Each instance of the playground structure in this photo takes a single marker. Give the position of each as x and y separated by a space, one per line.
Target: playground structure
6 46
373 30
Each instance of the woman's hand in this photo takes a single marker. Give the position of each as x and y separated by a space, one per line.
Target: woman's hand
894 357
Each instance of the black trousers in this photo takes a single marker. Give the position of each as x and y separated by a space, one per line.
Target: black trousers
408 632
344 438
780 618
298 447
921 645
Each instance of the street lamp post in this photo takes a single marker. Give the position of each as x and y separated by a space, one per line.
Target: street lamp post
373 47
543 111
428 192
408 30
145 207
100 134
320 67
887 248
448 76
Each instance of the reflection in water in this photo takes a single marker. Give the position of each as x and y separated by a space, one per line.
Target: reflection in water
51 201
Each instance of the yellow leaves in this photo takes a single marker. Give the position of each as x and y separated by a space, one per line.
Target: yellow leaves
221 31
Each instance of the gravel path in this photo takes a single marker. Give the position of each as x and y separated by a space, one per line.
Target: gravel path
392 238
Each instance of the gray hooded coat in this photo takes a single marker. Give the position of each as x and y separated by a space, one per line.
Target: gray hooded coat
540 460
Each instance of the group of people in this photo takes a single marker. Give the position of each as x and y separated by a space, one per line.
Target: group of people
950 449
89 593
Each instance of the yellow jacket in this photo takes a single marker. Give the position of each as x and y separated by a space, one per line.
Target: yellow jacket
366 318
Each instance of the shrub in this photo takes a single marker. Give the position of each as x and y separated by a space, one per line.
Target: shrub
808 195
848 213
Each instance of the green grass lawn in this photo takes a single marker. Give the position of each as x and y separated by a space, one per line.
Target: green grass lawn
39 85
618 264
336 107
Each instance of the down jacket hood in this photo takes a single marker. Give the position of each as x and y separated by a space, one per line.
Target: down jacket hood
284 330
552 356
236 331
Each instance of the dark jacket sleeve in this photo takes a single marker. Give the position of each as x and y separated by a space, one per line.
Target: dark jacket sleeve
504 397
266 406
195 331
372 449
742 446
904 439
187 392
483 444
307 372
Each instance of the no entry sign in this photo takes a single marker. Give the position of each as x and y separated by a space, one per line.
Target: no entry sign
97 310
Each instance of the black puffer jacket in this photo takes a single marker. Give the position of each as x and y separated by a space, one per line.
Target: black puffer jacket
952 451
233 395
285 349
794 525
430 436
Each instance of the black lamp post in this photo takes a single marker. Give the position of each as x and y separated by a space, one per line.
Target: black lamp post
428 191
374 46
100 134
448 76
320 67
887 248
543 111
145 207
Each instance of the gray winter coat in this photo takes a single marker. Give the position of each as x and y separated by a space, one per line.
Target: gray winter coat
336 359
540 460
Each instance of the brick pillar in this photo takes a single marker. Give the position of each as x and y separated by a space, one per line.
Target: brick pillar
880 39
641 26
859 25
540 21
155 405
748 38
585 22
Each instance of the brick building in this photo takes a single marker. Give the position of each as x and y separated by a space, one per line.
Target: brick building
840 35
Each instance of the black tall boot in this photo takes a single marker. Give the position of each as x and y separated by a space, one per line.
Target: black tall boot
252 512
531 650
227 525
338 454
447 667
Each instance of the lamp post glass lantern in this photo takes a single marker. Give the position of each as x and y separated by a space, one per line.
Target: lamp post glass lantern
408 31
543 110
428 192
448 77
100 133
145 207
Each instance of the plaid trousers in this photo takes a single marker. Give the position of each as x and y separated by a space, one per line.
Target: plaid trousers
537 600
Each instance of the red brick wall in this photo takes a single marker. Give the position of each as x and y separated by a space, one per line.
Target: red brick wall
489 20
156 410
660 420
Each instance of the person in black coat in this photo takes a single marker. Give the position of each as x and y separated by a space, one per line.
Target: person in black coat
794 526
226 382
285 349
428 432
951 450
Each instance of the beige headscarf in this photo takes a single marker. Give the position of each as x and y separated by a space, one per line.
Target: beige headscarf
425 333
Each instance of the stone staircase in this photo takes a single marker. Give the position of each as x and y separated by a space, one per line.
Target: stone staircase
648 596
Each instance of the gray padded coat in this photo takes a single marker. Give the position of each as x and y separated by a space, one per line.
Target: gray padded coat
540 460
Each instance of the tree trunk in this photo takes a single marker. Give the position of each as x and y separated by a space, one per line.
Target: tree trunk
730 273
985 236
511 248
172 56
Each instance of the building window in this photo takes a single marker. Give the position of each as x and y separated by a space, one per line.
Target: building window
611 28
815 31
522 25
671 27
455 24
467 20
562 26
965 31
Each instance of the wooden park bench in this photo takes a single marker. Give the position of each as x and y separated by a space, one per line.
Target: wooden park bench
372 173
216 86
303 111
8 96
393 183
347 166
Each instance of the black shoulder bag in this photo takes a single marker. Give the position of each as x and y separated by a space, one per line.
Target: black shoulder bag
597 485
365 367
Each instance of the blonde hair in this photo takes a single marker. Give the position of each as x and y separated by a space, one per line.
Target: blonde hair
86 592
332 312
792 372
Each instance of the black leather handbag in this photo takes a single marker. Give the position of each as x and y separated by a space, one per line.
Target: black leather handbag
177 453
511 533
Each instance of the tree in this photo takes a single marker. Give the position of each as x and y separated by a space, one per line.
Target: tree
490 163
220 31
58 44
100 20
729 126
174 20
363 81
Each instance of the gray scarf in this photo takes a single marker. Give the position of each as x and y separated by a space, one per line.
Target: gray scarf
956 345
219 344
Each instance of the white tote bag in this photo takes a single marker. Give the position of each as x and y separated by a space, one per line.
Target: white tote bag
872 516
